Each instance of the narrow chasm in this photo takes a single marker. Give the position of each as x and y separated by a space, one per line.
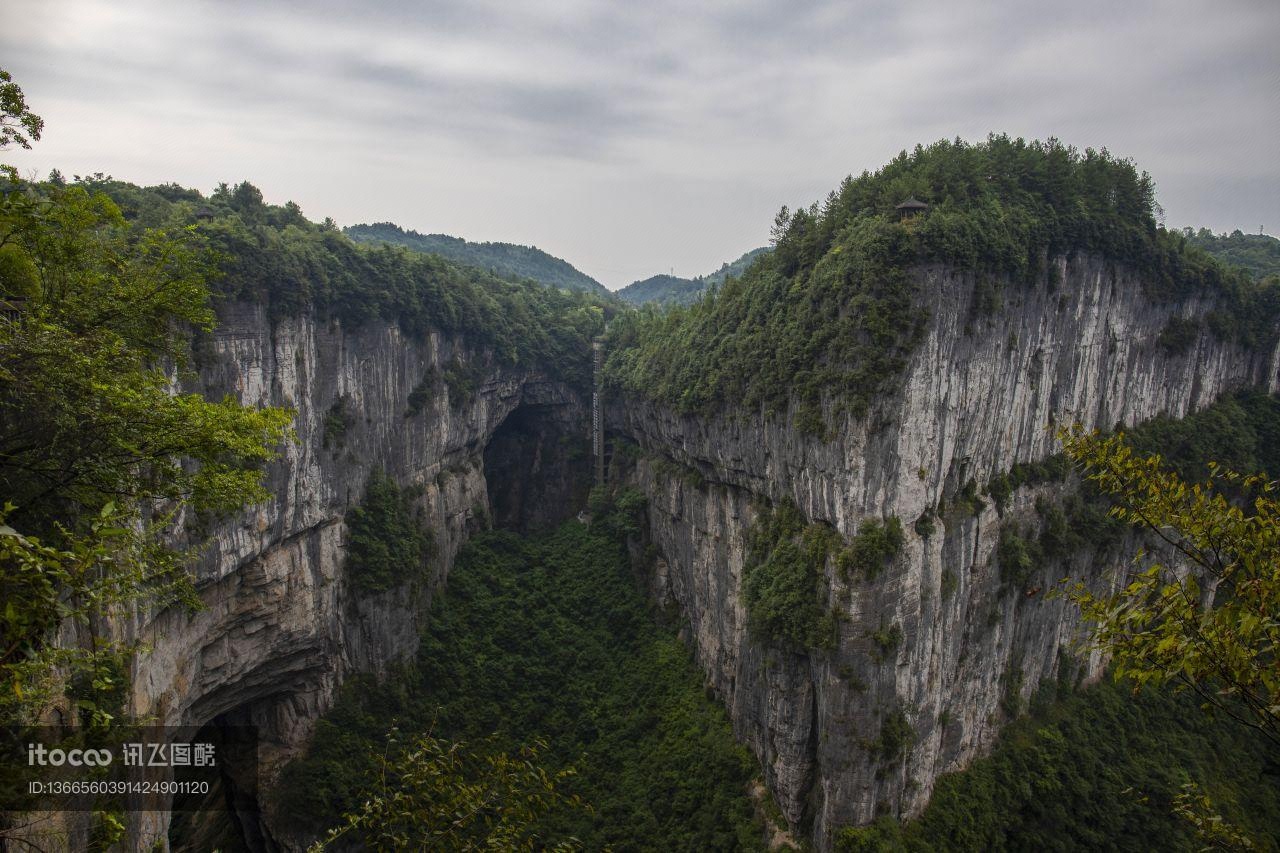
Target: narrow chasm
544 647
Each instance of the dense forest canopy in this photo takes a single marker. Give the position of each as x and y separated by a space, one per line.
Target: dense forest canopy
273 253
832 311
552 639
1098 769
506 259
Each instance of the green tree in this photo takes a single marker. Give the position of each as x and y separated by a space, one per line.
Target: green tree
18 125
101 454
1194 807
1208 620
442 795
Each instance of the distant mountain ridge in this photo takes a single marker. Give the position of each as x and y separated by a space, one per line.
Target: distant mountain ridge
1257 253
663 289
502 258
666 289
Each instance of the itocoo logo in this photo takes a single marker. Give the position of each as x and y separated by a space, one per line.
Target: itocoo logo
39 754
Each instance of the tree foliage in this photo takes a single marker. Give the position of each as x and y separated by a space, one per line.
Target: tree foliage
102 569
89 411
438 795
551 639
1207 615
101 452
18 125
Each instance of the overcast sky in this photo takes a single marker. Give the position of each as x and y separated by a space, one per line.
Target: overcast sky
637 137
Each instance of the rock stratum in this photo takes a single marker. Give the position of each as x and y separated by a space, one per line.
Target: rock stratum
282 624
1080 346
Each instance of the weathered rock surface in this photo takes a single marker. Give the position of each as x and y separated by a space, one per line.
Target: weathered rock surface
281 626
976 398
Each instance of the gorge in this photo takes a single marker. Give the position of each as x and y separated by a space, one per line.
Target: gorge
828 529
282 626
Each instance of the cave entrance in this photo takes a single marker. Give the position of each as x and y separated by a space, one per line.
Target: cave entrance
537 467
227 817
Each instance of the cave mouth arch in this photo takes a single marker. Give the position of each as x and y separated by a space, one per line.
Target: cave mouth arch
537 467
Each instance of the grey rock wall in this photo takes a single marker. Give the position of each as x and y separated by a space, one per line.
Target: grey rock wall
281 627
977 397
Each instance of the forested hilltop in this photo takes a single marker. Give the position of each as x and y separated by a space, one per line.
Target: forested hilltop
832 312
274 254
505 259
1257 253
672 290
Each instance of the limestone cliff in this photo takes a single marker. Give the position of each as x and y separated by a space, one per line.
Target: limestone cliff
1079 345
281 625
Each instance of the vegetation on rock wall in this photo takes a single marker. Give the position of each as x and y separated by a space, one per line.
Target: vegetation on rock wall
876 543
783 579
784 583
387 545
1097 770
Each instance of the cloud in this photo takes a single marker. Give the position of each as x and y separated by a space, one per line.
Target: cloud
631 138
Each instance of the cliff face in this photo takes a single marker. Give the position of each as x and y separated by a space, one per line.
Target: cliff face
282 626
976 398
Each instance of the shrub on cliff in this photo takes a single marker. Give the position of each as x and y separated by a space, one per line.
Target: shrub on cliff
878 541
782 579
387 545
